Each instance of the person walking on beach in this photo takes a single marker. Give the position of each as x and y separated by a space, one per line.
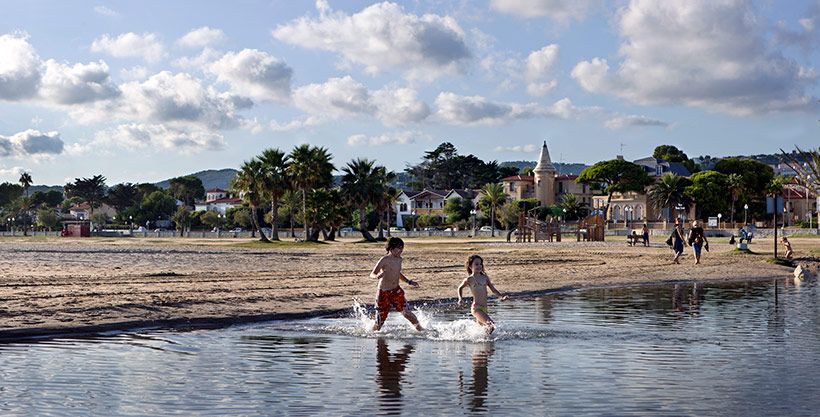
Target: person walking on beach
788 245
478 281
677 241
390 294
645 234
697 239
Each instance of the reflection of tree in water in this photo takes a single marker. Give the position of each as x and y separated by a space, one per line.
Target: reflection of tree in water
477 389
390 372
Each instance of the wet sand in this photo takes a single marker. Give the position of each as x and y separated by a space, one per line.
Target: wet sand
57 286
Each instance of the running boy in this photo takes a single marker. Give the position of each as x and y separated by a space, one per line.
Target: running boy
388 272
788 245
478 282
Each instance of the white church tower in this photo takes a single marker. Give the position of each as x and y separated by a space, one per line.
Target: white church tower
545 173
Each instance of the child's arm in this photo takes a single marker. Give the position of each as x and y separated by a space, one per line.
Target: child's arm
409 281
461 287
495 291
378 270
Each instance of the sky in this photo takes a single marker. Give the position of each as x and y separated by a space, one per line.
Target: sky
150 90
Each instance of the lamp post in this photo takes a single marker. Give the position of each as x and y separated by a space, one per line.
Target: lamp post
719 216
473 213
12 226
220 216
130 225
413 213
808 211
627 213
565 215
745 208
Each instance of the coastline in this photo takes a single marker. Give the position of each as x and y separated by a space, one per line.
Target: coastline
83 287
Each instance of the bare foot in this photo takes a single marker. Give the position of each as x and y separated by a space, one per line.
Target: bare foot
419 328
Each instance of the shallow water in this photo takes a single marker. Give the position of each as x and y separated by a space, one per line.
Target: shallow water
661 350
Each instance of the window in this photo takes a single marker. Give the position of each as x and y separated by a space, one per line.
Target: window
403 207
512 186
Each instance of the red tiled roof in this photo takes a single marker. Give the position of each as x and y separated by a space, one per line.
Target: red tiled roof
226 200
216 190
527 178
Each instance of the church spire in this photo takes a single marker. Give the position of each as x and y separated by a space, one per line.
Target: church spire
544 162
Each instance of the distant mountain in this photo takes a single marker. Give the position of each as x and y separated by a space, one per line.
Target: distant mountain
210 178
708 162
44 188
563 168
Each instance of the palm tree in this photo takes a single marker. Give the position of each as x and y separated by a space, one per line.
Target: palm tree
360 186
91 190
494 196
291 202
310 168
736 189
668 192
25 181
382 197
277 182
573 208
250 180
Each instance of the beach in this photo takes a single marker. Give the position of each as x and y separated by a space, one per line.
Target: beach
63 286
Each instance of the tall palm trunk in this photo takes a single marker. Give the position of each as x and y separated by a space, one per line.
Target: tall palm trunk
363 225
304 213
274 219
381 226
492 220
255 224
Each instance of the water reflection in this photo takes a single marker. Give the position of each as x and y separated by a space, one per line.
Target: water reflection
477 388
391 368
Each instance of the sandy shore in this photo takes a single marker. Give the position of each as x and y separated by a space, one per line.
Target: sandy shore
62 286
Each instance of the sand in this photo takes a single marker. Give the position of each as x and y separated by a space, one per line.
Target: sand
58 286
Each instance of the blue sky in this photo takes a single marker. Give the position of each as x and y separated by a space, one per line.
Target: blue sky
144 91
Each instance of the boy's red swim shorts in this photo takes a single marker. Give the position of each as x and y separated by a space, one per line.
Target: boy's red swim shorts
387 298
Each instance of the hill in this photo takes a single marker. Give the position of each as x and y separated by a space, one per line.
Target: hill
210 178
563 168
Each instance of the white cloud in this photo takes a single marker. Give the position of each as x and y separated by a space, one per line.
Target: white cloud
159 136
539 67
201 37
620 122
19 68
295 124
205 58
383 37
346 97
393 138
165 98
529 149
31 142
701 53
399 106
105 11
12 173
476 110
254 74
560 10
131 45
81 83
335 98
137 73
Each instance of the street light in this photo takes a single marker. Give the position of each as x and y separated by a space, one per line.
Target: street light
565 215
130 225
808 211
745 208
473 213
413 213
627 213
719 216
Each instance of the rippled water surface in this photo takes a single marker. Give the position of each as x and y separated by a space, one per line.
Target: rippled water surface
741 349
